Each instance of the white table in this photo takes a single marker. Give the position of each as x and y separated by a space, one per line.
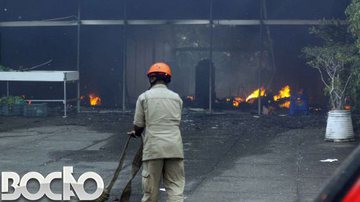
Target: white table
45 76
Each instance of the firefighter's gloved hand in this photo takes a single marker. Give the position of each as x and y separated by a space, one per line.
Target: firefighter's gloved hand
132 134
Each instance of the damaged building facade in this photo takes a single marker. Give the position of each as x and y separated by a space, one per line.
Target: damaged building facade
246 45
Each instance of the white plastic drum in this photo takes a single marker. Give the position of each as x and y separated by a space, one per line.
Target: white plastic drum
339 126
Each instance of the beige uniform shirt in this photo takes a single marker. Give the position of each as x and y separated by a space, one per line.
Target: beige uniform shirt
159 111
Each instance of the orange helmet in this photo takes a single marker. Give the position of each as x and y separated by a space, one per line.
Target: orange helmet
160 67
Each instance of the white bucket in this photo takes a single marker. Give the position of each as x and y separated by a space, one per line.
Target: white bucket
339 126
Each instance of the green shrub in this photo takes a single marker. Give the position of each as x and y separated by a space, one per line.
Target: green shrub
12 100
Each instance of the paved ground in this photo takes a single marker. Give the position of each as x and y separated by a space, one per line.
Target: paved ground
229 157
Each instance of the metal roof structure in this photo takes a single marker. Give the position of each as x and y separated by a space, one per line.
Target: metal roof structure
156 22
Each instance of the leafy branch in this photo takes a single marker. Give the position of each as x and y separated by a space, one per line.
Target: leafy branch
334 61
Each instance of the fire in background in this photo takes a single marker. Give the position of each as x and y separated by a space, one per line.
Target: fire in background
256 94
191 98
284 93
237 101
282 98
94 99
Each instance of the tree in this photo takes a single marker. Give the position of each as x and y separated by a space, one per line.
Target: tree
353 17
334 60
353 14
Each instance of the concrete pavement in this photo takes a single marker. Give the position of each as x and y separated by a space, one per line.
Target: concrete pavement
229 157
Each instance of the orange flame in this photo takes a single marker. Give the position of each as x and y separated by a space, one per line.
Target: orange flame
190 98
94 99
237 101
255 94
285 104
283 93
347 107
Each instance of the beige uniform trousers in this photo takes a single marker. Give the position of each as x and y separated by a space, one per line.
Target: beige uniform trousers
172 172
